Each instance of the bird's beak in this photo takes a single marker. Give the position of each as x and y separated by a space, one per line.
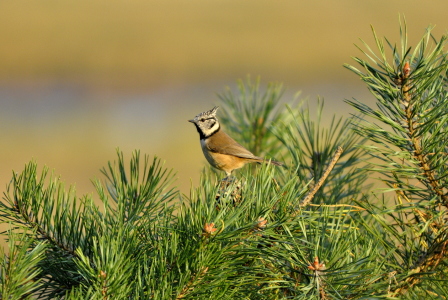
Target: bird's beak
191 121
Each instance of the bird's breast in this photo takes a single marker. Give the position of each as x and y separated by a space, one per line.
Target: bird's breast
208 154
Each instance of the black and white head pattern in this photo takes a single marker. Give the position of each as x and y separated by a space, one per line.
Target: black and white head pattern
206 123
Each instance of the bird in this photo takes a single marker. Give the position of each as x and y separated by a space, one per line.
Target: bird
220 150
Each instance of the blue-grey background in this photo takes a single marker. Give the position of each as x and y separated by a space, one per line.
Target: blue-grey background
79 78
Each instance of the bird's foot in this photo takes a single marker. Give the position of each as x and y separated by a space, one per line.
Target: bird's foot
229 179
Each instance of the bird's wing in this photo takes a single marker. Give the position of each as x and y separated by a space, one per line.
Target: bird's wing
224 144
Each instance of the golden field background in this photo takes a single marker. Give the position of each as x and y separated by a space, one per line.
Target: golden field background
80 78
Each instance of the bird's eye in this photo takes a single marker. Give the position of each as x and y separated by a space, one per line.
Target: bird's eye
202 120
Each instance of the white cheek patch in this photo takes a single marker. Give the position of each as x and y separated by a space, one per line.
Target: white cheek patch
215 127
210 131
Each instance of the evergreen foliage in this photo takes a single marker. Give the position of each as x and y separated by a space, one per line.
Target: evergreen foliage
409 129
255 238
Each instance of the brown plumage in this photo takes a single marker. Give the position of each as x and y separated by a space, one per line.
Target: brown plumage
220 150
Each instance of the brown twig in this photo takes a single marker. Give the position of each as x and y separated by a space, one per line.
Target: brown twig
355 208
425 264
196 278
408 103
430 259
330 167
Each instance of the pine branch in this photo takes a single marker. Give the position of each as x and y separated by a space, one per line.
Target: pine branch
408 102
19 271
307 199
426 263
412 101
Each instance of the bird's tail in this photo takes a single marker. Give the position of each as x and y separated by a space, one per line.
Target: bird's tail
261 160
275 163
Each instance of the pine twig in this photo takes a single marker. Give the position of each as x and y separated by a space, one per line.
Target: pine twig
330 167
424 265
354 207
197 278
408 102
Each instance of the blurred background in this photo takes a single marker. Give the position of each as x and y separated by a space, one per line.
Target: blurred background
79 78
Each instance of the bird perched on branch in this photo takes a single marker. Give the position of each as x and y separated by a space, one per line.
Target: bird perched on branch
220 150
